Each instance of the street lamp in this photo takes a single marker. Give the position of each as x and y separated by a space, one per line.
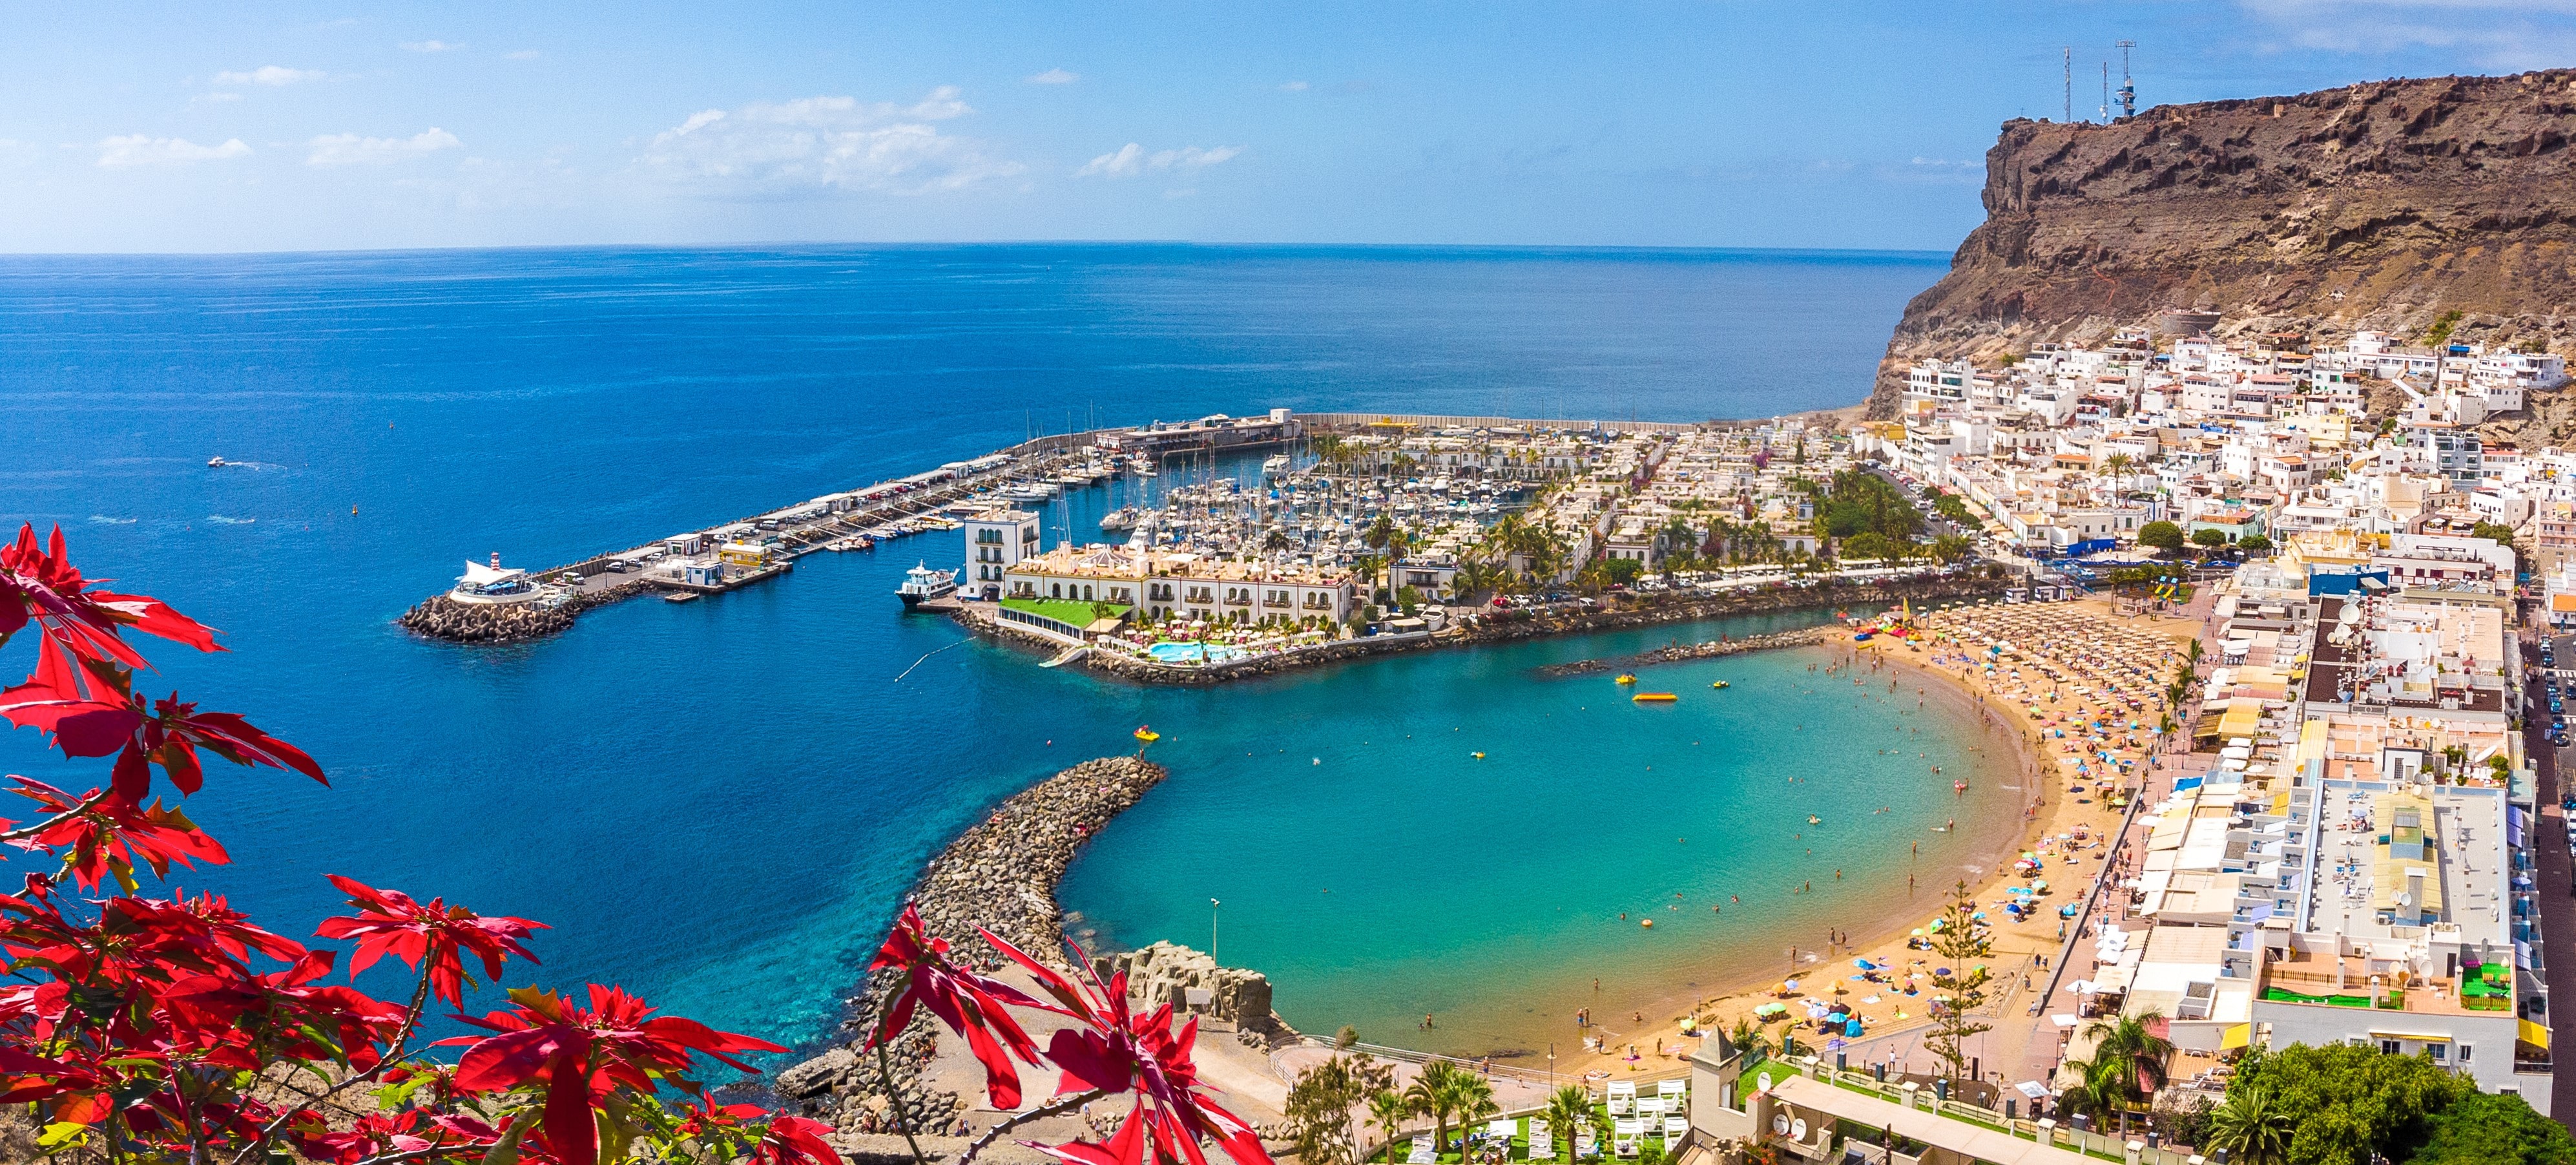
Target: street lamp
1212 905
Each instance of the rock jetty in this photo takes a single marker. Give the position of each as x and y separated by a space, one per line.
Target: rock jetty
1000 875
440 617
1678 652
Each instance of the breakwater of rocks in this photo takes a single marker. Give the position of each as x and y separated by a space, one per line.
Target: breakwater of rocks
440 617
1000 875
1678 652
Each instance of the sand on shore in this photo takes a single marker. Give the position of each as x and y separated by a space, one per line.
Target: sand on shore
2047 773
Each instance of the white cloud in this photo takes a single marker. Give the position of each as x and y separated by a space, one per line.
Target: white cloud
524 55
1055 77
144 150
1131 160
348 149
1293 87
430 46
271 75
834 143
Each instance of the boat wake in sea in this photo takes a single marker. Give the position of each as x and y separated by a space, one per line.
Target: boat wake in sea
222 520
104 520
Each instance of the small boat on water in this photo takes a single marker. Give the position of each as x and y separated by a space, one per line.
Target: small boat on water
1720 685
1625 678
216 463
1122 518
922 584
1654 697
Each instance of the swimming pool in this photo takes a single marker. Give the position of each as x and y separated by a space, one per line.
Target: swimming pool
1194 652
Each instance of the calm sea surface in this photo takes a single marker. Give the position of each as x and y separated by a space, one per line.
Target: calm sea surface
719 803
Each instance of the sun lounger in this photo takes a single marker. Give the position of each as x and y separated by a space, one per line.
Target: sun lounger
1619 1088
1620 1105
1625 1149
1587 1147
1421 1153
1675 1128
1670 1089
1628 1128
1503 1130
1542 1149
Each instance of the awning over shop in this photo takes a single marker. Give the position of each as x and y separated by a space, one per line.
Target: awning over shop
2240 1034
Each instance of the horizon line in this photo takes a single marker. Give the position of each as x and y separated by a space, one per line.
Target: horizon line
1904 254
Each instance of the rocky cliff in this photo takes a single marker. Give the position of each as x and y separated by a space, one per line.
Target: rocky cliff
2382 206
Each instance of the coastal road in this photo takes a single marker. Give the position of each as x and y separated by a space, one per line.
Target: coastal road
2551 870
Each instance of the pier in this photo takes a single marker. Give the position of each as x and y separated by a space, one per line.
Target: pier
491 604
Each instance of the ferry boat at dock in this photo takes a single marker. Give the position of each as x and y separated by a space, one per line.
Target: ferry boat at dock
922 584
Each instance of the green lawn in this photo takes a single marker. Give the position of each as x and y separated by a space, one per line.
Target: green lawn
1062 610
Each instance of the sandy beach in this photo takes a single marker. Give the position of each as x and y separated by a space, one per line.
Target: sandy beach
2063 825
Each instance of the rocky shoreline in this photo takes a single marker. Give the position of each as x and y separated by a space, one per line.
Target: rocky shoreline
1626 612
443 618
1710 649
1001 875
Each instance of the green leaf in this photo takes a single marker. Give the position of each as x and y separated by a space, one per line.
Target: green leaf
62 1135
506 1150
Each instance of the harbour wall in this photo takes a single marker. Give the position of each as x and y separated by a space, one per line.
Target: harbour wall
1679 652
1497 627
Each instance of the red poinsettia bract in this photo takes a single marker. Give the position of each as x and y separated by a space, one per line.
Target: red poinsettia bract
1115 1050
39 584
580 1054
390 922
970 1004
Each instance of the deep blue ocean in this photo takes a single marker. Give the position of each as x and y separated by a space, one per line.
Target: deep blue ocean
718 804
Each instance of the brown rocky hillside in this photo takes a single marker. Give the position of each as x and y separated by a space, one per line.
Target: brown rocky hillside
2379 206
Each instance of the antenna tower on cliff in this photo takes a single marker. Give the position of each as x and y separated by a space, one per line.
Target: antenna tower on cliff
2070 83
2106 92
2128 85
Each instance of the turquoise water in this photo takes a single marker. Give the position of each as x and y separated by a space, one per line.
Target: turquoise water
1377 869
719 804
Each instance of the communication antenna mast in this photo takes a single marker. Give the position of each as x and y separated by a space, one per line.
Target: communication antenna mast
2070 83
2128 85
2106 91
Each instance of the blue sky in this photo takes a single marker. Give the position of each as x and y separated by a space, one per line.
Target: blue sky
182 127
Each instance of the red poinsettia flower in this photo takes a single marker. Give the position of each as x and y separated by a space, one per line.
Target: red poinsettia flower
100 837
90 709
581 1054
1115 1050
972 1005
785 1140
390 922
376 1134
39 584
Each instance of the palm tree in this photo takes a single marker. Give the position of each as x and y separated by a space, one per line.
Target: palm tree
1434 1093
2251 1128
1387 1110
1471 1098
1569 1111
2102 1092
2132 1052
1748 1039
2118 464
